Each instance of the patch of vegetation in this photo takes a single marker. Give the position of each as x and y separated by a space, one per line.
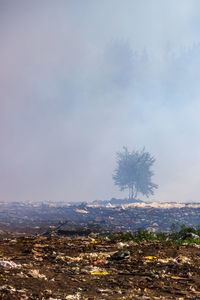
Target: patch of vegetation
178 235
144 235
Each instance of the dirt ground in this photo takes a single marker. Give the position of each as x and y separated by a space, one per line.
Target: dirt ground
93 268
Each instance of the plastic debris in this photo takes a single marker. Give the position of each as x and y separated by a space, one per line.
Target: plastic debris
9 264
193 235
149 257
177 277
121 245
121 255
99 273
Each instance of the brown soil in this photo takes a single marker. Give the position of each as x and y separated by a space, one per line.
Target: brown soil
84 268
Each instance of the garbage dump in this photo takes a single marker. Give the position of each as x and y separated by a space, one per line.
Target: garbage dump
93 267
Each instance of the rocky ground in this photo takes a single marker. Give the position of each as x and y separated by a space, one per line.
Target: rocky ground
91 267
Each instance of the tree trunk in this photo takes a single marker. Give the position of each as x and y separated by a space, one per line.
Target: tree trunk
129 193
132 192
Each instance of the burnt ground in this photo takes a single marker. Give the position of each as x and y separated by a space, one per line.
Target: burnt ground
19 216
59 267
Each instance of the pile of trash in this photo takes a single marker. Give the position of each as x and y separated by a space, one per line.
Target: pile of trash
95 267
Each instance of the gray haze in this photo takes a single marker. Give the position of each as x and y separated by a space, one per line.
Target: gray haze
81 79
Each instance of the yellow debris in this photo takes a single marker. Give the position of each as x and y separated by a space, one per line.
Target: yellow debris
99 273
149 257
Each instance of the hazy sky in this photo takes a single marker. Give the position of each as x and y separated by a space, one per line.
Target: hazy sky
81 79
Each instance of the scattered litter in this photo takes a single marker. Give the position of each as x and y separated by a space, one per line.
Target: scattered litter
81 211
99 273
100 261
77 296
7 287
9 264
41 245
94 241
121 255
81 268
177 277
178 260
94 271
36 274
149 257
107 291
193 235
194 245
121 245
166 260
183 259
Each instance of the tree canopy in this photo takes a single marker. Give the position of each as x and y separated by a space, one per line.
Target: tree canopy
133 172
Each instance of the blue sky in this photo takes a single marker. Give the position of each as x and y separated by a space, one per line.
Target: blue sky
81 79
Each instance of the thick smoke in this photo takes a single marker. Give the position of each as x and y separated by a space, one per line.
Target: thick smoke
81 79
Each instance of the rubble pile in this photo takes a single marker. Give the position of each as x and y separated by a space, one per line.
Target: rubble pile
96 267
